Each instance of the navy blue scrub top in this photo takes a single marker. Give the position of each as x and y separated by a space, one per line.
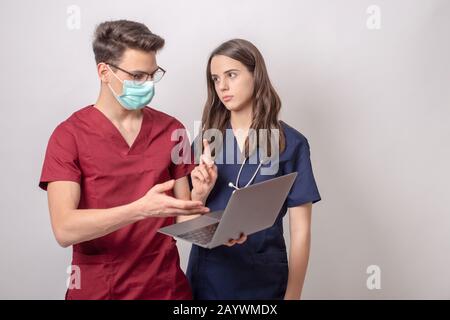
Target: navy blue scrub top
258 268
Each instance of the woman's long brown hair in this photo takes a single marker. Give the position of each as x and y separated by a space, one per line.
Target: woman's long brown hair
266 102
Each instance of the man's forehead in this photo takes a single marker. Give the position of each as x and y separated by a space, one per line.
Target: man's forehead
139 60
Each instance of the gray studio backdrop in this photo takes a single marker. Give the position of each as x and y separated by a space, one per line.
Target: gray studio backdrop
367 82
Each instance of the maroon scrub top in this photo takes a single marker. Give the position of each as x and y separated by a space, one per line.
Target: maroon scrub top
134 262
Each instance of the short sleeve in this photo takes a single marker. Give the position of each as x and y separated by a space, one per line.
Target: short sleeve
304 189
61 158
184 165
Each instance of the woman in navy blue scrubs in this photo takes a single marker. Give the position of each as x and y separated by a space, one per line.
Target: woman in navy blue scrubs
241 97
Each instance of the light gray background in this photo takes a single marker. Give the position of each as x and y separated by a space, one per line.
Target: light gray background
374 104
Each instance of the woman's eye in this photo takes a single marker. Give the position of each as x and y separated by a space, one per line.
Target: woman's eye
232 75
214 79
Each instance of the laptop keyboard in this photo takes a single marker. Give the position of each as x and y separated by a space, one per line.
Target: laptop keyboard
202 236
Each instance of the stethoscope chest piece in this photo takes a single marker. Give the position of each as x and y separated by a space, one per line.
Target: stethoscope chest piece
236 185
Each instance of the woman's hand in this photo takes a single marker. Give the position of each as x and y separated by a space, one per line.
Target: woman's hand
232 242
204 176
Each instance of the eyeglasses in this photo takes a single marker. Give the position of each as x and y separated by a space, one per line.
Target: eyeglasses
139 77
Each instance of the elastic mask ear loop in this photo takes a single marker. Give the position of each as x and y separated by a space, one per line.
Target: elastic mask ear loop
109 85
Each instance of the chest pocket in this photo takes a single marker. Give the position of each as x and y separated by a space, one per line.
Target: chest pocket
160 165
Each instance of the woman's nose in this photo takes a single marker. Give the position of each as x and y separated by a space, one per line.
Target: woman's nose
223 85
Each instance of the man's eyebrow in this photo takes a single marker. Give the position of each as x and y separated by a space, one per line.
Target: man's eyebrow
140 71
226 71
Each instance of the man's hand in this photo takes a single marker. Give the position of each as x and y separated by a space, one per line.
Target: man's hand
204 176
156 203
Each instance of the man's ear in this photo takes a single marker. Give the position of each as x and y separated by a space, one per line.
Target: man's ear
103 72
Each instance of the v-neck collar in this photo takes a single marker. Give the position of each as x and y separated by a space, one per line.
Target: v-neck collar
114 134
237 148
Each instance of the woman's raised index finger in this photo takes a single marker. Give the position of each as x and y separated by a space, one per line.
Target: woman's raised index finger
207 158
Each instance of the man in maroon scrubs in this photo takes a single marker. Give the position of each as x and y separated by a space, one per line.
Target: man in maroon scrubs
111 181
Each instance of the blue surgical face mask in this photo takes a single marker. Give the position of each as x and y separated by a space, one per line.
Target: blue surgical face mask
134 96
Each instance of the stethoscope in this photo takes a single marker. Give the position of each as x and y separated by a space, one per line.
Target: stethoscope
236 185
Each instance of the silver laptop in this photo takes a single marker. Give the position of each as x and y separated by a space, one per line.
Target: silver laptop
249 210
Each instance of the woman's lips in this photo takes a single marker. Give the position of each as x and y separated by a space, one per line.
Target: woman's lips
227 98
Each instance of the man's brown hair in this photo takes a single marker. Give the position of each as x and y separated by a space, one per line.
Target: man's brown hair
112 38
